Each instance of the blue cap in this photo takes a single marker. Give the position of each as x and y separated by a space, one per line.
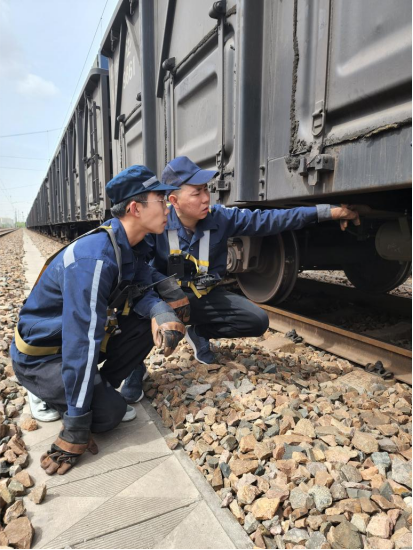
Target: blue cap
133 181
182 170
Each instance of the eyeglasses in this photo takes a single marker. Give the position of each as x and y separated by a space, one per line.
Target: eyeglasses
164 200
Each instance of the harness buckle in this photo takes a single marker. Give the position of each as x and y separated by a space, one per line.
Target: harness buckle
112 326
204 281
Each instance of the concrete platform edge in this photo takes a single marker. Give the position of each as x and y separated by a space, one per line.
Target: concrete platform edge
229 524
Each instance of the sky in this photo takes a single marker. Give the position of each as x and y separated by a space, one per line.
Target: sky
43 46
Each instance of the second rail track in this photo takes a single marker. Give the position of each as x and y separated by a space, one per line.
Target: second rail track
6 231
349 344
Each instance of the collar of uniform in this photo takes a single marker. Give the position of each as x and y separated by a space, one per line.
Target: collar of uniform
142 249
201 226
174 222
122 240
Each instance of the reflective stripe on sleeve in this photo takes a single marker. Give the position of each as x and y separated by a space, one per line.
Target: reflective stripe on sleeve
91 333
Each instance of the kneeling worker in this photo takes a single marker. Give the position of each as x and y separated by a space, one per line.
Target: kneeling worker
194 245
65 325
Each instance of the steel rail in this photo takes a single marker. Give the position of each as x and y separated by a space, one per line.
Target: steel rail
4 232
349 345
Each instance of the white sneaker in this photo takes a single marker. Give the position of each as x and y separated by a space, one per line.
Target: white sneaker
130 414
40 409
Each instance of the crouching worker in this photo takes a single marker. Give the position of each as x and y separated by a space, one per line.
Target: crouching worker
82 311
194 247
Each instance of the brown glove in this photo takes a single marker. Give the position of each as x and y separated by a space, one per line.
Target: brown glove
171 293
73 440
167 329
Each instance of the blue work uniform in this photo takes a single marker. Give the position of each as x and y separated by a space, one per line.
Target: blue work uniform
224 223
68 309
221 313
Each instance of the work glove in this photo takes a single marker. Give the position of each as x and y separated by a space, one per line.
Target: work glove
73 440
174 296
167 328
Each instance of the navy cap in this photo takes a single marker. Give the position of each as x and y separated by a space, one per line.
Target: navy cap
133 181
182 170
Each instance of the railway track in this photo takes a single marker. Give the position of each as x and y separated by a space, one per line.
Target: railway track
320 328
4 232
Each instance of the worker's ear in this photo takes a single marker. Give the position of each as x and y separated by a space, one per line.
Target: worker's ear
138 208
173 199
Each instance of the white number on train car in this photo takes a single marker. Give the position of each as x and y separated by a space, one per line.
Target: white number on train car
129 70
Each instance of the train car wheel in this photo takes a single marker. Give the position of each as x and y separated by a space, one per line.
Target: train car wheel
378 276
276 273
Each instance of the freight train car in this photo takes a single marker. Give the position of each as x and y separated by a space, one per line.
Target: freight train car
72 197
295 103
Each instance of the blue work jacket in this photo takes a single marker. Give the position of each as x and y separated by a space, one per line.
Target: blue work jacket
224 223
67 307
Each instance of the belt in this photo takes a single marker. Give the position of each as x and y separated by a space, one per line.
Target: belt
36 351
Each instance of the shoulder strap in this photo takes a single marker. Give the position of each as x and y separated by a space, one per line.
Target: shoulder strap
115 245
116 248
201 263
173 241
204 252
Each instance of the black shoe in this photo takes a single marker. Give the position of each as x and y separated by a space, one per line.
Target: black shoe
132 390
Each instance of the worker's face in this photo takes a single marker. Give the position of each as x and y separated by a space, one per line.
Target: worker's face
192 201
153 213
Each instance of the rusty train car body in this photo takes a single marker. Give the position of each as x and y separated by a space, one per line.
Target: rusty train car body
295 103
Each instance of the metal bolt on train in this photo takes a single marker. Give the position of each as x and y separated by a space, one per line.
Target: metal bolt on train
295 102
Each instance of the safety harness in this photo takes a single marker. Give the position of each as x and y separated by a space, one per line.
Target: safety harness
202 283
122 296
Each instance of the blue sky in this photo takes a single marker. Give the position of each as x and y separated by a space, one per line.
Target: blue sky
44 45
